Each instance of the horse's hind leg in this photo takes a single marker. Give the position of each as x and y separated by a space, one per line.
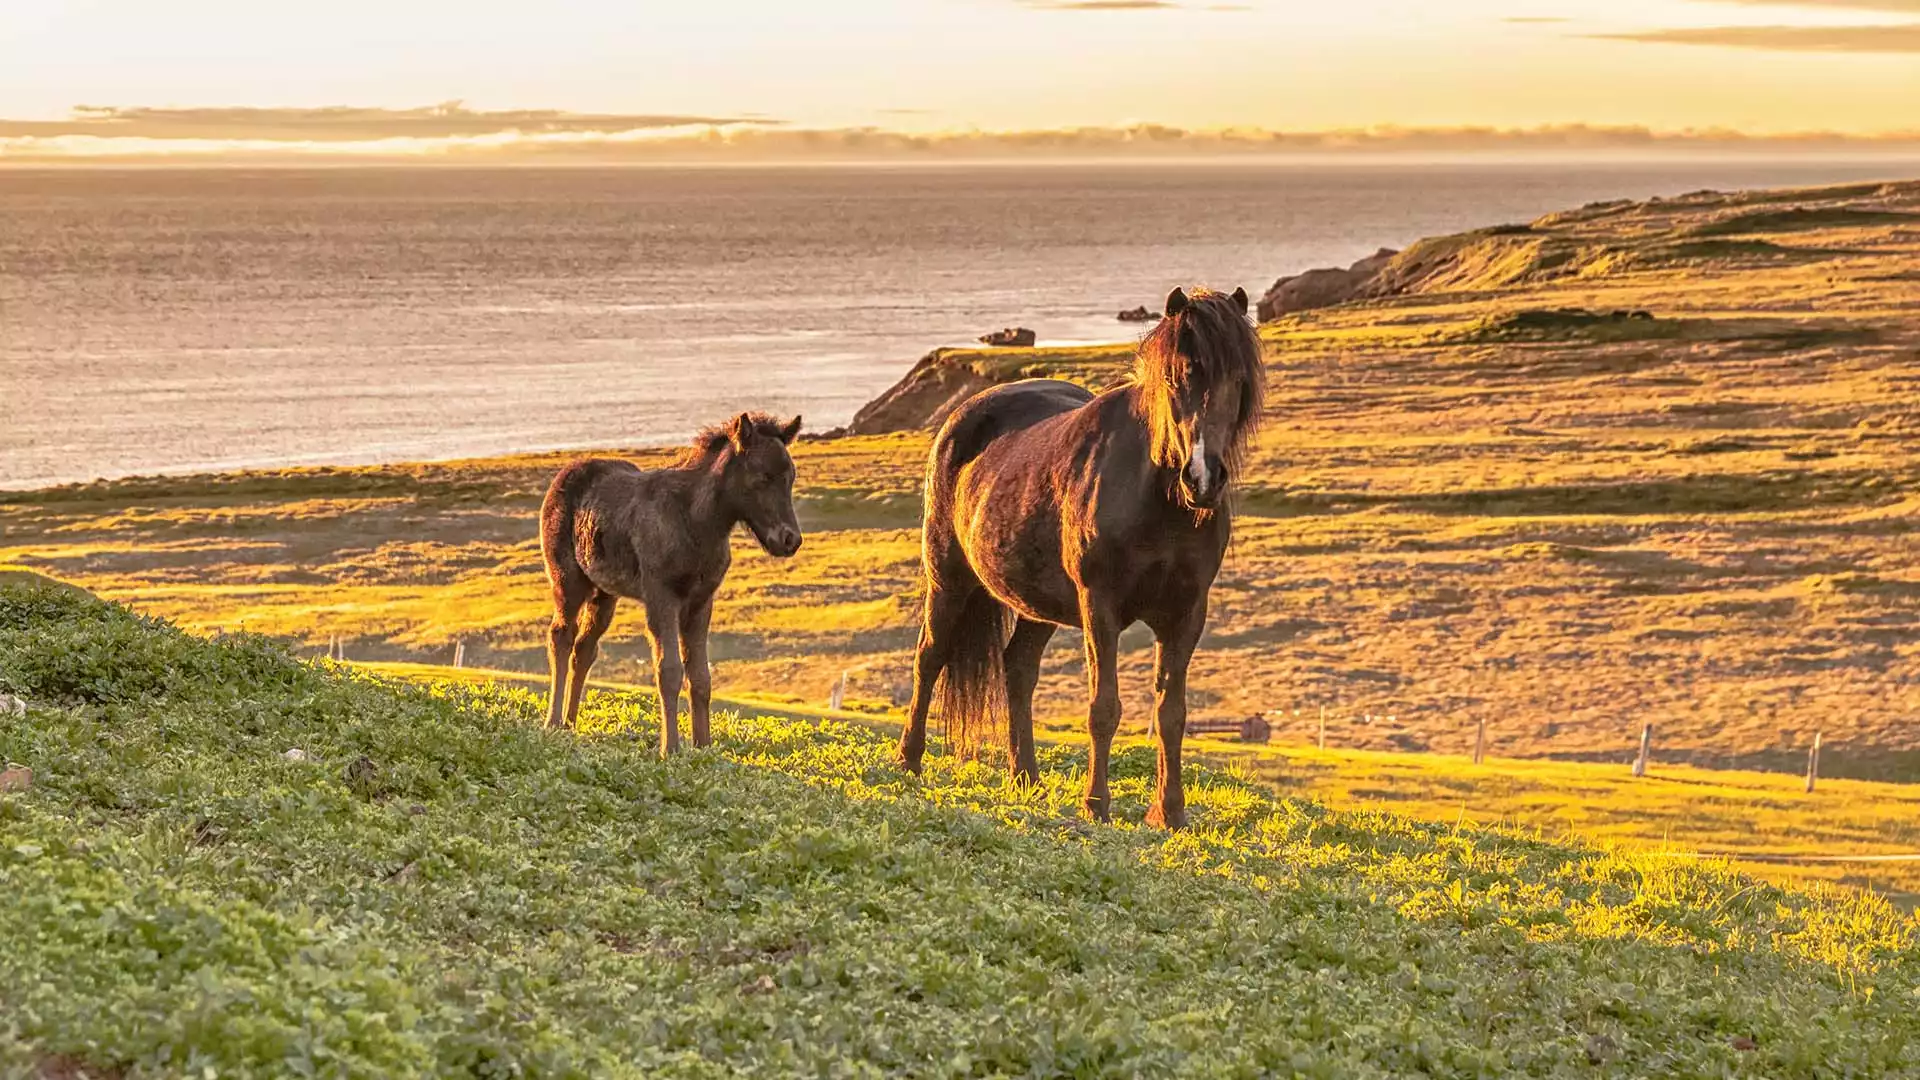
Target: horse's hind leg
569 593
939 623
1172 654
1023 653
598 616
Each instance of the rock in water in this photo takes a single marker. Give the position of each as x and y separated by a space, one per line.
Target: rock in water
1018 337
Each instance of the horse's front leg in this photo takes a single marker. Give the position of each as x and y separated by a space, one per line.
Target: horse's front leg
1103 709
938 624
1172 653
663 627
693 656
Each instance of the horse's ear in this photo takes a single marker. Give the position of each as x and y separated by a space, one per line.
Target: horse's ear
1240 299
792 429
740 432
1176 302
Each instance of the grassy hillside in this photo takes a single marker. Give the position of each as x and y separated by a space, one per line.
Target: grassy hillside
440 887
1854 832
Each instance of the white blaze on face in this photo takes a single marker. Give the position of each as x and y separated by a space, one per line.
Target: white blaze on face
1197 464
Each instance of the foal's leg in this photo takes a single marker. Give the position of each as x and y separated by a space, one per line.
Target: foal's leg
560 635
663 627
1172 654
597 617
1022 657
942 615
693 657
1103 709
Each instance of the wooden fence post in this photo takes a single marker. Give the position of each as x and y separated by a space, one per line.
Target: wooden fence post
839 692
1813 763
1646 750
459 652
1323 727
1480 742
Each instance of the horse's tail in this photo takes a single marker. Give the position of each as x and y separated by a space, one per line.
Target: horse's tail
974 692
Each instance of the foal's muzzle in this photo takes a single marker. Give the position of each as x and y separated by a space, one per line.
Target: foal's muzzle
781 541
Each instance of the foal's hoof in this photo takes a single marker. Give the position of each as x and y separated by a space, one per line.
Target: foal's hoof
1161 817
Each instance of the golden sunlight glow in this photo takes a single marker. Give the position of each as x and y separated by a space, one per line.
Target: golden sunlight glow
951 67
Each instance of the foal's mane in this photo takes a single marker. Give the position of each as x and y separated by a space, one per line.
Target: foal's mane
1208 344
714 438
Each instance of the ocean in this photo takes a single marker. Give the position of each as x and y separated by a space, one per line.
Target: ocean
170 320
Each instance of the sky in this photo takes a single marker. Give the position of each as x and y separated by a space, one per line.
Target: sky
1755 66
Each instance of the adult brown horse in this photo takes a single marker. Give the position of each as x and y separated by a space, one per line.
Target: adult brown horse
609 529
1047 506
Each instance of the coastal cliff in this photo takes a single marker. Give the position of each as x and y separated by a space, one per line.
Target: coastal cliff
1616 243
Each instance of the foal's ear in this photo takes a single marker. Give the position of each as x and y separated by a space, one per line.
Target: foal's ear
792 429
1240 299
1176 301
740 432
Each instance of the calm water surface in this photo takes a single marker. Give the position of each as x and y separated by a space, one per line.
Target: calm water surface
173 320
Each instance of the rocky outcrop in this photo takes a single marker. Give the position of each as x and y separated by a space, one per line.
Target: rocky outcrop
1018 337
933 388
944 378
1324 287
1138 314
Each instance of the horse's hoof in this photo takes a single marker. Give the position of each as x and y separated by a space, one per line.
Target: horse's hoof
910 764
1097 810
1173 820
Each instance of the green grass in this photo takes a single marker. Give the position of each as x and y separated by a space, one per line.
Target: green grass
444 889
1801 218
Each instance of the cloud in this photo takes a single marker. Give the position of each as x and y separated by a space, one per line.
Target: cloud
1125 5
1098 5
339 123
1909 6
1900 38
729 141
1535 19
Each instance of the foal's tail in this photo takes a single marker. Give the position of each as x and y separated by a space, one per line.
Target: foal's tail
974 692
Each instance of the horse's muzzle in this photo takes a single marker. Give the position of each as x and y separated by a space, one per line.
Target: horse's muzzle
1205 484
781 541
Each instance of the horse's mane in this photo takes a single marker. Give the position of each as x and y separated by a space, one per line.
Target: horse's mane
1208 344
714 438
